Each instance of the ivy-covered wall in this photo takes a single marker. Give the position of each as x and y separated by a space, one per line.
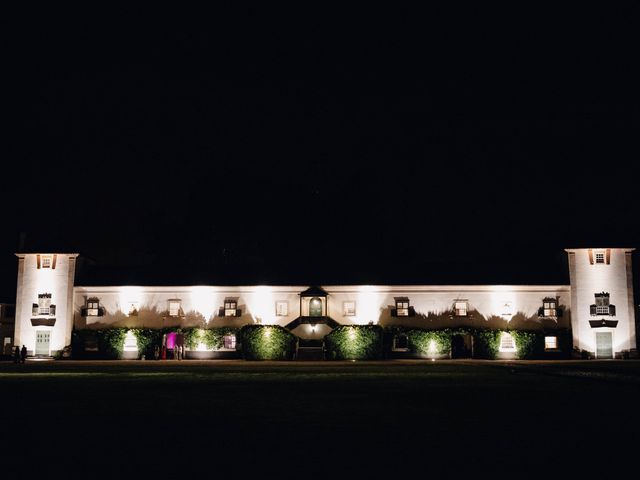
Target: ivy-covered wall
267 342
486 342
110 342
354 342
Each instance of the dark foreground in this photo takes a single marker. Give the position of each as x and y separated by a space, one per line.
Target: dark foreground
405 419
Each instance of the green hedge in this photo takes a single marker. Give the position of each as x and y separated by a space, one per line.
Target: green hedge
429 342
110 342
486 343
267 342
355 342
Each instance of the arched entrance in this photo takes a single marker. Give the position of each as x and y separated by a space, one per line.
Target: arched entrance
315 307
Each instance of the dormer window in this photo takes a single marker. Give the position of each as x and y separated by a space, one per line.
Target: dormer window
230 308
93 307
602 305
549 308
402 307
46 261
174 308
460 308
599 254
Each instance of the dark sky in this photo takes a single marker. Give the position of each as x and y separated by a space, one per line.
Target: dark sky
317 146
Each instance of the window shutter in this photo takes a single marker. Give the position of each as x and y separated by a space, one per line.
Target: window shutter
558 312
238 312
591 256
221 312
52 310
55 257
83 312
394 312
541 312
34 309
612 310
608 256
412 312
100 311
593 310
38 260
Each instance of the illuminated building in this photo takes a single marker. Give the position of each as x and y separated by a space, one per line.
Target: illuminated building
597 306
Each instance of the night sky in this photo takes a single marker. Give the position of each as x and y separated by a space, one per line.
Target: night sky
315 146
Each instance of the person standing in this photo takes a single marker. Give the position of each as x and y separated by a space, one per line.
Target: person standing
23 354
16 355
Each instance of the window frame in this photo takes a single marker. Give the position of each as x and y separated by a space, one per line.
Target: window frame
547 346
230 308
279 312
173 302
349 313
457 310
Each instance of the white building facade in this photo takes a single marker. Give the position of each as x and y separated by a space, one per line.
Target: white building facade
597 306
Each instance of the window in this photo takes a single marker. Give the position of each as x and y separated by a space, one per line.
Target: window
44 304
174 308
460 308
282 309
230 308
599 256
348 309
229 342
507 343
46 261
402 308
603 305
550 343
93 307
549 308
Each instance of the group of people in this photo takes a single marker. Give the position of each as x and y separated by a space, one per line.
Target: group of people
19 355
178 352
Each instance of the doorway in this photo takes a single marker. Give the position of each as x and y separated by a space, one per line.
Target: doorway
42 342
315 307
461 346
603 345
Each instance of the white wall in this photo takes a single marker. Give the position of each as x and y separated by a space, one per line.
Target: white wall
432 304
588 279
58 282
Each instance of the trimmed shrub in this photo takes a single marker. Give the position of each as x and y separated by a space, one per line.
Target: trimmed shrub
486 343
354 342
266 342
111 342
429 342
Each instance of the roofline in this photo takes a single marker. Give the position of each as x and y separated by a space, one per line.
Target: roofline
627 249
24 254
333 288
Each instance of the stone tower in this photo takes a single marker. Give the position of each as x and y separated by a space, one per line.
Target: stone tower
602 306
44 301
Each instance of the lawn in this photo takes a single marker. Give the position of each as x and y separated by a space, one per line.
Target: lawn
332 420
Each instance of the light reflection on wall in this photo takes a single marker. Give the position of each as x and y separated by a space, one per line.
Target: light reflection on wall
368 305
130 297
503 302
261 304
46 282
203 301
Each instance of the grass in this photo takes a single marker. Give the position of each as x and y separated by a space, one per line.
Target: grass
330 420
